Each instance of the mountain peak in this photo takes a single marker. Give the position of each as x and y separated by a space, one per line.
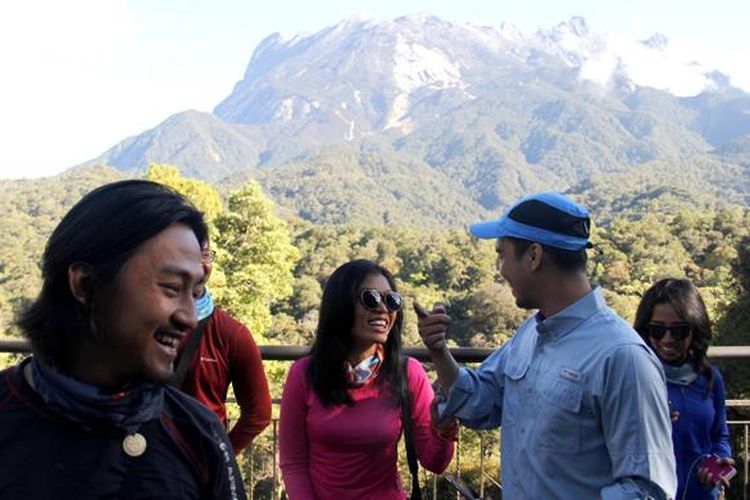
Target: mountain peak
362 75
499 111
511 32
420 18
579 26
355 21
656 41
576 26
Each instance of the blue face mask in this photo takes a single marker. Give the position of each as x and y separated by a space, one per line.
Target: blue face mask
204 305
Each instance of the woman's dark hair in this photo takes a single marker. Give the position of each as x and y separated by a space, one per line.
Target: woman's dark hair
102 231
687 302
333 337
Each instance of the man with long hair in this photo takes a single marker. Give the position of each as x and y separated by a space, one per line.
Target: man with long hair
89 415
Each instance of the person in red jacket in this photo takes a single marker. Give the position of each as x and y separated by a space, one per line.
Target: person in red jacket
226 353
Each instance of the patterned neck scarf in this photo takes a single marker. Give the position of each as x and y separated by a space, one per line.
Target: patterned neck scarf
204 305
87 405
367 370
683 374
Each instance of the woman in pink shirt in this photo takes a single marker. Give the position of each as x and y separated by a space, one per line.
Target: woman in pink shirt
340 411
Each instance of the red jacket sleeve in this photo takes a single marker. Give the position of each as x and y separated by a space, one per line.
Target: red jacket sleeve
250 388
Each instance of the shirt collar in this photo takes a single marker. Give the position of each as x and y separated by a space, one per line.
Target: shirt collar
566 320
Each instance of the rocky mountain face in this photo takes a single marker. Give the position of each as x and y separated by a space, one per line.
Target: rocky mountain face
490 111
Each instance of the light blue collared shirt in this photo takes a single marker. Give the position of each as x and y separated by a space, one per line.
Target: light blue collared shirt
582 403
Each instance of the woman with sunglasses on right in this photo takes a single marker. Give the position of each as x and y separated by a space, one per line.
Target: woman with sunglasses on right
341 407
673 320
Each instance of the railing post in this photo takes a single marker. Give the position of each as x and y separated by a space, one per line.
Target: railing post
275 464
251 479
746 459
499 462
481 465
458 458
434 487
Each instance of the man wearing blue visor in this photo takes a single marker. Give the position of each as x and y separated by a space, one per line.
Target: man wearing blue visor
580 399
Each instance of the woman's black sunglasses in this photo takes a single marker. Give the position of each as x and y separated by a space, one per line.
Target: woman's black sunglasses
371 299
657 332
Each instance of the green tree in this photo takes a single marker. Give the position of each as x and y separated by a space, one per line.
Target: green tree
200 193
489 316
256 252
206 199
31 209
734 326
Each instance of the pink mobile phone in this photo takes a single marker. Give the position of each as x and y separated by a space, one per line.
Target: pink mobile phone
718 471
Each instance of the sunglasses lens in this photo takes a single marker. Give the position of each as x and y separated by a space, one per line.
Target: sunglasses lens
370 299
680 332
656 332
393 301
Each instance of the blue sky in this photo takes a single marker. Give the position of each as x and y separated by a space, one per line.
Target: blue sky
81 75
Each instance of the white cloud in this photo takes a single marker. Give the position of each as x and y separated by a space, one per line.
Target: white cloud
672 68
668 69
59 58
68 32
729 61
599 68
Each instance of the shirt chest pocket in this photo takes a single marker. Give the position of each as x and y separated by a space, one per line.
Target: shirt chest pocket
560 421
516 398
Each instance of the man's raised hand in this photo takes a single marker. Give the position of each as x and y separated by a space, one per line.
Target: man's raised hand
433 326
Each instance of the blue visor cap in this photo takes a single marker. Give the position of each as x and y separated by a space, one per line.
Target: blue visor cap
547 218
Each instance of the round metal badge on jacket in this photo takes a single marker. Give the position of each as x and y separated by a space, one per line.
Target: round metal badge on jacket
134 445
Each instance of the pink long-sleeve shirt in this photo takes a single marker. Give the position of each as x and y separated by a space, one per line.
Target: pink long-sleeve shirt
341 452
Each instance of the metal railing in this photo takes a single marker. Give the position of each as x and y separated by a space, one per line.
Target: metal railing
462 354
485 480
260 460
259 463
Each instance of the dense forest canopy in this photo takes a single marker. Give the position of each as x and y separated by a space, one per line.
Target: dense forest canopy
272 264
